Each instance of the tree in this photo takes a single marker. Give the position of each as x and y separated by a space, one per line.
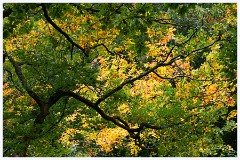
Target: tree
91 79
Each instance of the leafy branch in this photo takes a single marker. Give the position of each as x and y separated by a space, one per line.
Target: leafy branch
18 70
60 30
131 80
59 120
115 119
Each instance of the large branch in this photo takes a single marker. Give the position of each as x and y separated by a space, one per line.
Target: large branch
164 63
59 94
60 30
116 120
23 80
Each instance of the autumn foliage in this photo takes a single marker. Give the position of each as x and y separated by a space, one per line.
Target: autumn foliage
119 80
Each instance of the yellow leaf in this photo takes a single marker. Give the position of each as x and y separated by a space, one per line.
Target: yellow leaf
232 114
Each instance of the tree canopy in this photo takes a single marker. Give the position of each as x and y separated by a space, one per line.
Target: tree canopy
111 79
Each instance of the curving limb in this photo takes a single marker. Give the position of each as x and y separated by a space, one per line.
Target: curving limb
61 31
18 71
134 132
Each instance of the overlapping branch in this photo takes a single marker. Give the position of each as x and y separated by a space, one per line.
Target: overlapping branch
164 63
115 119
